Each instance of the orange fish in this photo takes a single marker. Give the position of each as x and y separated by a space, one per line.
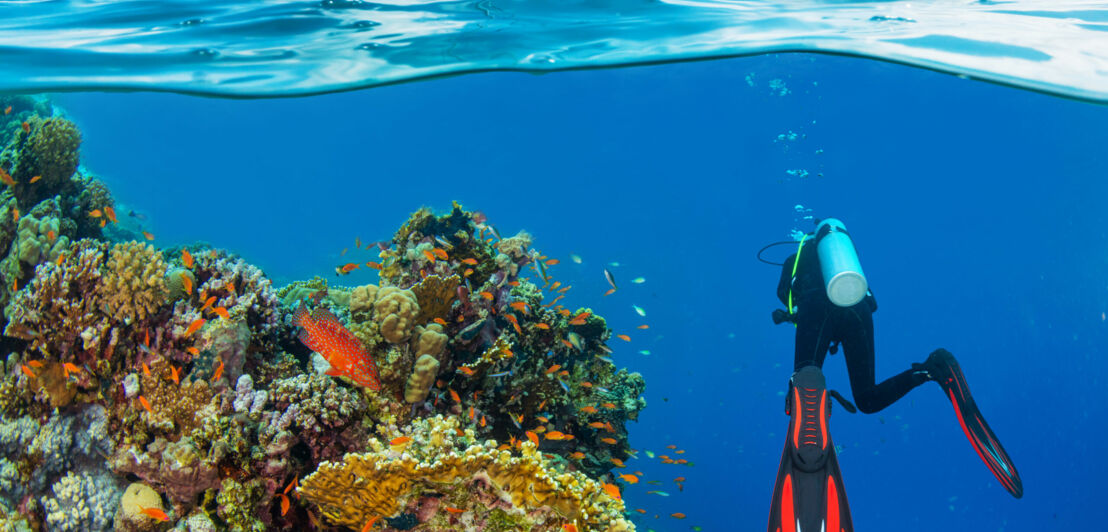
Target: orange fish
230 287
609 406
630 479
567 343
26 127
174 375
596 424
482 420
623 337
470 261
552 262
466 370
27 371
454 396
374 265
34 179
612 490
643 326
472 412
6 178
533 437
454 510
284 503
430 256
103 222
145 404
555 435
69 367
35 363
640 510
222 312
679 479
617 462
399 441
513 283
577 455
349 267
542 326
677 515
681 461
682 451
325 334
671 446
109 212
610 292
145 369
218 372
440 321
519 305
207 303
291 485
15 285
147 235
553 368
589 409
564 312
440 253
468 272
155 513
585 384
95 213
195 326
186 258
61 259
609 441
186 283
569 527
486 295
195 352
369 524
564 289
15 214
542 404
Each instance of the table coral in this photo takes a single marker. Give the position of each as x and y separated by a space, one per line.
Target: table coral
471 476
435 295
134 280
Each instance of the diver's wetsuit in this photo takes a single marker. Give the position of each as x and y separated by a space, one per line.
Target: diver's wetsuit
820 322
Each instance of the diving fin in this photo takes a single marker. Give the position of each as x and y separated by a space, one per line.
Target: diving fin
944 369
809 495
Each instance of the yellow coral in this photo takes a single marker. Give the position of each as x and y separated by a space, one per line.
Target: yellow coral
395 311
429 341
378 483
134 285
361 301
419 382
435 295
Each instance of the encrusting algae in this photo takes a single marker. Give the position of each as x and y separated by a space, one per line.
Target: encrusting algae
454 394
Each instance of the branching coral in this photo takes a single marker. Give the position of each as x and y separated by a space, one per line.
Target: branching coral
50 150
471 476
82 503
134 283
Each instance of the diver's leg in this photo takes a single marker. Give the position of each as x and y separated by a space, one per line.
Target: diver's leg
813 336
944 369
854 326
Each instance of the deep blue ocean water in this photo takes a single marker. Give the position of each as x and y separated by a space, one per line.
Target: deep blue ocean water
978 211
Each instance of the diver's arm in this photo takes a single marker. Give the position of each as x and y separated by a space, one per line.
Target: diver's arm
786 280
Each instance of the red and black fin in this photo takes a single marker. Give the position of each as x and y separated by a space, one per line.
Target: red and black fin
943 367
809 495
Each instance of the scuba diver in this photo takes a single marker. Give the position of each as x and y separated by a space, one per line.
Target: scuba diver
828 299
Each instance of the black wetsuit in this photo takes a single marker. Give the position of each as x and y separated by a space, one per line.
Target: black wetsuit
820 322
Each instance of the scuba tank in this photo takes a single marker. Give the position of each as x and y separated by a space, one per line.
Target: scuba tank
842 273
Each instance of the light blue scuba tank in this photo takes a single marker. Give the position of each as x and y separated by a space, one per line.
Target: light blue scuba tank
842 273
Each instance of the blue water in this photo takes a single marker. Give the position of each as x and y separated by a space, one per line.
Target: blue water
978 211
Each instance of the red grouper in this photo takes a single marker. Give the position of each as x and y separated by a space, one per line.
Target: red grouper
325 334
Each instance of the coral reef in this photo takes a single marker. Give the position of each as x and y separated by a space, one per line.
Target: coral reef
489 485
179 371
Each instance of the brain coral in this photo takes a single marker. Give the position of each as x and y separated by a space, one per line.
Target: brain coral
134 284
395 312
